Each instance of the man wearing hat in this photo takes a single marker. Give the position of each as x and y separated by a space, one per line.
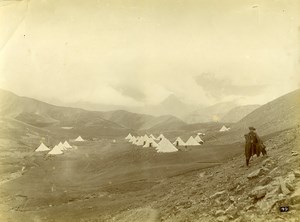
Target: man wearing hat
254 145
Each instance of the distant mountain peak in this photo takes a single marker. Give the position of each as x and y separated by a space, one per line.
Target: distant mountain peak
172 99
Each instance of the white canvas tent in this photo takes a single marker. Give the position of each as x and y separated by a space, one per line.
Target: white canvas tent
224 129
136 140
141 141
150 143
160 137
61 146
179 142
42 148
198 139
132 139
192 142
153 137
165 146
146 137
55 151
79 139
128 137
67 145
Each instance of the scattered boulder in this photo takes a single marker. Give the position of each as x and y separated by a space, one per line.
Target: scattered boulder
258 192
232 199
218 194
268 162
222 218
257 173
283 187
219 213
249 207
289 186
266 205
266 180
297 173
231 210
295 198
291 177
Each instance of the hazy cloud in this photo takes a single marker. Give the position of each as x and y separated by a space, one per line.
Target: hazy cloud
139 52
131 91
222 87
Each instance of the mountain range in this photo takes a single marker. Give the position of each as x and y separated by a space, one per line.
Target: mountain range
279 114
189 113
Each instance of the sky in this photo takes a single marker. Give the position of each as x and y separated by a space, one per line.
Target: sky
136 53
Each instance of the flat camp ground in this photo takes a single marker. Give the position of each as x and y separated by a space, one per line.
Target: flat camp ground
97 178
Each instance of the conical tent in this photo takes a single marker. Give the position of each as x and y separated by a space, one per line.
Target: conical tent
160 137
198 139
136 140
179 142
55 151
79 139
150 143
132 139
165 146
42 148
146 137
67 145
192 142
223 129
141 141
61 146
153 137
128 137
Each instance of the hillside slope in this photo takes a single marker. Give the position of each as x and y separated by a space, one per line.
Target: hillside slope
88 123
237 113
44 115
277 115
210 113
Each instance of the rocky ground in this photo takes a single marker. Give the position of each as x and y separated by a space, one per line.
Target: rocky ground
231 191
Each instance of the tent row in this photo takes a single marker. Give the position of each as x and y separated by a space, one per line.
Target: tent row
161 143
56 150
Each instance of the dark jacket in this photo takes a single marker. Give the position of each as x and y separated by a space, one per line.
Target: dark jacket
253 144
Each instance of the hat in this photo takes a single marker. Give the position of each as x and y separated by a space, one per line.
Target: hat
251 128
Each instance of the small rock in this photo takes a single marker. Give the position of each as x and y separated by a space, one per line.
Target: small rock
297 173
219 213
249 207
267 162
266 205
289 186
266 180
222 219
218 194
259 172
231 210
283 187
291 177
231 199
258 192
295 198
295 154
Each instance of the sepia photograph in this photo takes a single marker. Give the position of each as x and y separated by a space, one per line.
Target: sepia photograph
150 110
